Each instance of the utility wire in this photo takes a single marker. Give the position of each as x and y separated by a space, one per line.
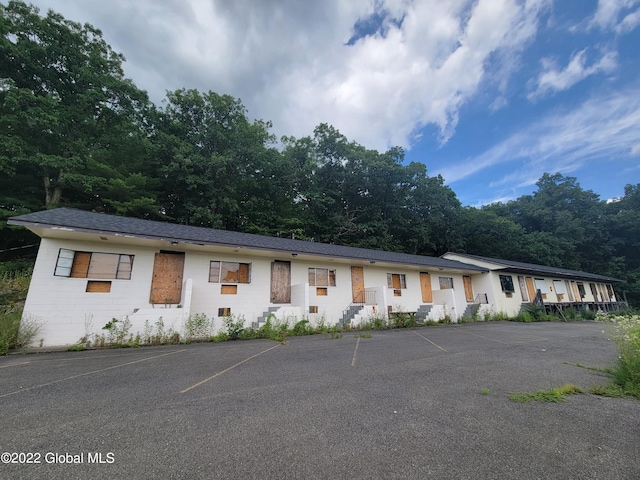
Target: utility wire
18 248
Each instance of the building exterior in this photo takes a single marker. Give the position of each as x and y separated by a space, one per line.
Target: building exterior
94 267
510 285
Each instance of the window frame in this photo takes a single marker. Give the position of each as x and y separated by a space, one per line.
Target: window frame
506 283
121 266
312 277
234 280
447 281
402 281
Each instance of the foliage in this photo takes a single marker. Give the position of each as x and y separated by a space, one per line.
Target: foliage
15 330
14 287
558 394
234 326
198 326
626 335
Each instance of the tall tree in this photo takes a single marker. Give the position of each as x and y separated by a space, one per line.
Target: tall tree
63 97
217 168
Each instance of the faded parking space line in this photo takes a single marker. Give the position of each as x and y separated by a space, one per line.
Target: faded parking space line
534 339
226 370
88 373
14 364
355 351
432 343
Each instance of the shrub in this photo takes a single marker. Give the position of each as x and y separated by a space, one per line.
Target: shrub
587 314
14 286
198 326
626 335
301 328
16 331
234 326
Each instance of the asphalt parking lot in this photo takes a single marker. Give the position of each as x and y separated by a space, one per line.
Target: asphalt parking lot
401 404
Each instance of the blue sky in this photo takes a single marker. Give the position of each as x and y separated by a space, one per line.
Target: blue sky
490 94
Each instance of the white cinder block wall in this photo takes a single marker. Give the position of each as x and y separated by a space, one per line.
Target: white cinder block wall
69 313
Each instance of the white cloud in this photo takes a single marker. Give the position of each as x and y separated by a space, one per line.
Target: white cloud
288 60
600 129
607 15
553 79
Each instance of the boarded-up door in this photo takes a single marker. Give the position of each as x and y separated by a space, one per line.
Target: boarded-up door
530 288
468 290
425 286
166 284
357 284
280 282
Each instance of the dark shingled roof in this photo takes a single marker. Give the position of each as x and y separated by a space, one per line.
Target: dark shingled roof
532 268
100 223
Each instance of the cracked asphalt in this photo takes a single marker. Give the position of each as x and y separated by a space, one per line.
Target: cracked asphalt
429 402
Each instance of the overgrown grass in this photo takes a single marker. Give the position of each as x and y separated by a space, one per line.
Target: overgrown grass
558 394
16 331
625 332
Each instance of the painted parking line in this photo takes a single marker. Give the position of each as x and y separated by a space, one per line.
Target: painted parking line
88 373
201 382
14 364
355 352
431 342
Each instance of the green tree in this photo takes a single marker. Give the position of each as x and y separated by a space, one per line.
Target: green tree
63 97
218 169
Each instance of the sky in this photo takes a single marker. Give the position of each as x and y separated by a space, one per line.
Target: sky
490 94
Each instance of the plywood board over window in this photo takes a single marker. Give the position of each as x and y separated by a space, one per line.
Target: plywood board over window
228 289
541 285
523 289
94 286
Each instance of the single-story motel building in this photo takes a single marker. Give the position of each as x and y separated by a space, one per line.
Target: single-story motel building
93 267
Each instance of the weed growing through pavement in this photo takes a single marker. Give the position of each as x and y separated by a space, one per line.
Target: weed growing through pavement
625 332
558 394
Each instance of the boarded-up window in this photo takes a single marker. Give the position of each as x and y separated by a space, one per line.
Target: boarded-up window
93 265
558 286
610 293
313 309
542 286
229 272
224 312
321 291
581 290
567 286
229 289
322 277
445 283
523 288
396 280
98 286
